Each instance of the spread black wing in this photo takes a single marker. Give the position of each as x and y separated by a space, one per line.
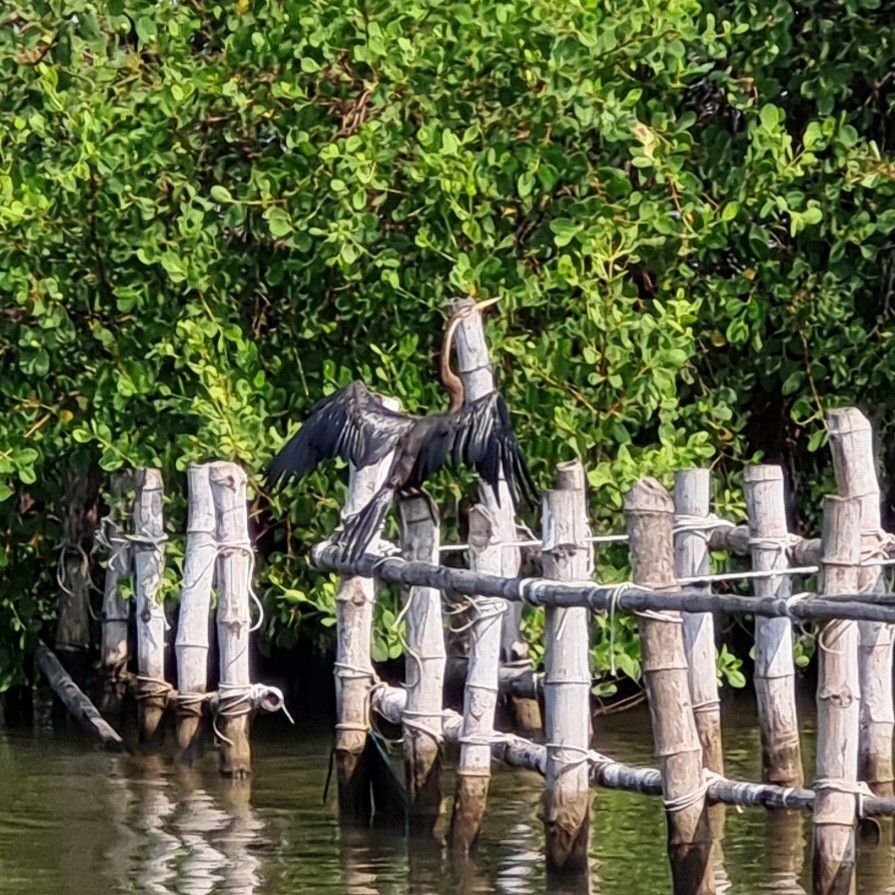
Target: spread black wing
352 424
486 441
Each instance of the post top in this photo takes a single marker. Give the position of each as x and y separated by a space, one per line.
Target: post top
570 476
149 479
763 472
648 496
847 420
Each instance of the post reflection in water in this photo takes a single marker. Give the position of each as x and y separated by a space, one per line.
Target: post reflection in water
784 851
176 835
876 859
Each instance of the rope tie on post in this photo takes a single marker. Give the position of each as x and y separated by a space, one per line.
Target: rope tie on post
236 700
858 788
701 526
153 687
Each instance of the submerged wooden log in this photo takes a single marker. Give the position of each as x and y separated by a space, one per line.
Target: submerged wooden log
354 675
475 370
775 672
599 597
234 576
838 708
649 515
195 610
425 671
148 542
73 573
851 443
692 502
480 692
567 680
74 699
116 609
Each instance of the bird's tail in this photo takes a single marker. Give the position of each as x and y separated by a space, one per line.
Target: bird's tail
360 529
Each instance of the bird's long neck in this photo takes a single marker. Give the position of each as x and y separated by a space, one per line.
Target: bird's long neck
449 379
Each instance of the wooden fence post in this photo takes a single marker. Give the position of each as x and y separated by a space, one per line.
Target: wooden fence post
838 707
692 489
234 576
480 693
195 609
775 673
149 565
424 671
475 370
354 673
649 513
72 639
116 610
851 443
567 682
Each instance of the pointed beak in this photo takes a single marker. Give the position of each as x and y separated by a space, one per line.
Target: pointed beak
480 306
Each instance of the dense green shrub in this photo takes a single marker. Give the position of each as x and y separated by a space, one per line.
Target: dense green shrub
212 215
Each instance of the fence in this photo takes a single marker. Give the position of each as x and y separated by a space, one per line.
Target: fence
670 593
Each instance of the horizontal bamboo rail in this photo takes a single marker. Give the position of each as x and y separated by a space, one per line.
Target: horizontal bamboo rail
516 751
623 597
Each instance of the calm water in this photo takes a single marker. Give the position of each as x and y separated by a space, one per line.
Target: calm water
73 820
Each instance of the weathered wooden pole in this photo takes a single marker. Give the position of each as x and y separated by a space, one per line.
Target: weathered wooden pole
838 707
692 501
75 700
116 610
234 577
851 442
480 692
354 675
649 514
425 659
72 639
195 609
148 544
475 371
775 671
567 682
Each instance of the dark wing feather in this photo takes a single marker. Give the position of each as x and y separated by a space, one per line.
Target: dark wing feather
362 527
483 438
352 424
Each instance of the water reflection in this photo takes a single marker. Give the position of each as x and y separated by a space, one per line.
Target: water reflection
784 851
175 833
108 825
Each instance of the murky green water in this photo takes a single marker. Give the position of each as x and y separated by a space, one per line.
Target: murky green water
73 820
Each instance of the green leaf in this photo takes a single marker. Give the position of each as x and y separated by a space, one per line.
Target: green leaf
278 221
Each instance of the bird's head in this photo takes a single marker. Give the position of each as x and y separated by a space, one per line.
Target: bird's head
469 307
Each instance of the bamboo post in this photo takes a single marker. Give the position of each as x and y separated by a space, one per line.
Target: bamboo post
354 675
649 514
195 608
838 707
475 371
480 692
234 576
566 556
692 501
851 442
116 610
72 639
425 670
149 565
775 673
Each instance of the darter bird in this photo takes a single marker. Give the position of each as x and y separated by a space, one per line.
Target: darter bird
354 424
